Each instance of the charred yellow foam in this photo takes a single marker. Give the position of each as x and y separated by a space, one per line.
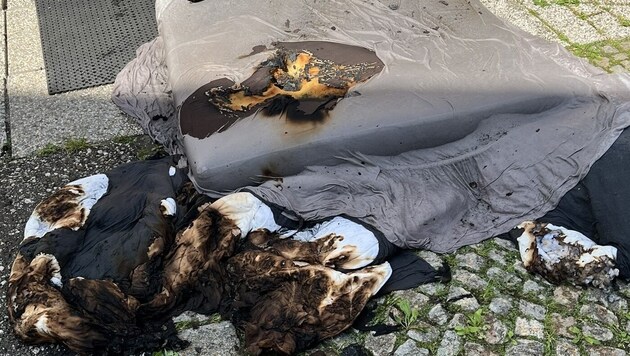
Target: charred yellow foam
304 71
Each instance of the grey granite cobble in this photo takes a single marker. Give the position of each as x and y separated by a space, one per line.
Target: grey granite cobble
605 351
474 349
500 306
529 328
562 324
438 315
597 332
599 313
213 339
409 348
380 345
450 345
469 280
532 310
496 333
524 347
565 295
567 348
472 261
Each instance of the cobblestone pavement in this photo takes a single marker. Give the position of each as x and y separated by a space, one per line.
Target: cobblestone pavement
491 307
598 30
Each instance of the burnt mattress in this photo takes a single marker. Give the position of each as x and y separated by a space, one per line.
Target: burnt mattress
266 89
434 121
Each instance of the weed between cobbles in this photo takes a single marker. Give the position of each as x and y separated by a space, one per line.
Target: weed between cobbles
69 146
475 326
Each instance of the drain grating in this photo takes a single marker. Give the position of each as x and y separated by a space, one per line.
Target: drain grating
87 42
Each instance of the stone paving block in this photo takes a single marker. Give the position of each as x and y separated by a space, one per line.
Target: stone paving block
574 28
503 277
532 310
515 14
415 299
565 295
474 349
531 287
529 328
500 306
458 320
497 256
588 9
409 348
622 9
472 261
428 335
455 292
599 313
496 333
609 25
468 304
597 332
566 348
469 280
211 339
605 351
561 325
38 118
508 245
23 42
380 345
438 315
431 257
16 4
525 347
450 345
432 288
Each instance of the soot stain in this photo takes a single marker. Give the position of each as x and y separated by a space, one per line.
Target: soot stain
301 82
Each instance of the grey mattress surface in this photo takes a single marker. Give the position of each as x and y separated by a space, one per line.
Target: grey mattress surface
465 126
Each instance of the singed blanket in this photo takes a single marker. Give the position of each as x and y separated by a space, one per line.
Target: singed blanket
460 128
109 259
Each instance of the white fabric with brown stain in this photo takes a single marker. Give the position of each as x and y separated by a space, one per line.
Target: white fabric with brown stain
357 245
560 255
93 188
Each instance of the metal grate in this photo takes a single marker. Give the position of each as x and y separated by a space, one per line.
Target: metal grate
87 42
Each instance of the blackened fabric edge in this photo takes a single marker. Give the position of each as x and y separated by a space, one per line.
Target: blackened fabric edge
599 205
81 252
292 220
410 271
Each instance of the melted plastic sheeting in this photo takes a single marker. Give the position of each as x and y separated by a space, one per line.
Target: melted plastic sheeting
469 128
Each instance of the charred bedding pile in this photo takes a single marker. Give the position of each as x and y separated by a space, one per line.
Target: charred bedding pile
108 260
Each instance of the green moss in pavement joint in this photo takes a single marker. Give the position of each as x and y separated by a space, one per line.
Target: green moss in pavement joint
73 145
124 139
566 2
560 35
49 149
165 353
541 3
551 338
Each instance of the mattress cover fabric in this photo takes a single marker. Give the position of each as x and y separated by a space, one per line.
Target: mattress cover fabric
469 127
